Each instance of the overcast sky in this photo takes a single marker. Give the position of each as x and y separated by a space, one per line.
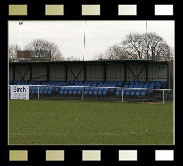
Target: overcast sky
69 35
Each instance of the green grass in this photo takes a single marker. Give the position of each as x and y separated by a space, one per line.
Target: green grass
89 122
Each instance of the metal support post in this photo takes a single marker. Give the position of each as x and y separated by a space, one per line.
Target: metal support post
38 93
122 95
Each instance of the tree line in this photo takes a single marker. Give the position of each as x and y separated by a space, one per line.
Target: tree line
148 46
40 50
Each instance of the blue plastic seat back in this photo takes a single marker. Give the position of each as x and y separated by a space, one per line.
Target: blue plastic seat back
95 92
105 89
132 93
143 93
111 90
118 93
85 92
56 89
127 93
137 93
86 89
104 92
100 92
79 92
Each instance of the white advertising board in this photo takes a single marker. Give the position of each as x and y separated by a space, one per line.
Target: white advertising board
20 92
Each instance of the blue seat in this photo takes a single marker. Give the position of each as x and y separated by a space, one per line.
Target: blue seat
79 92
74 92
85 92
50 88
127 93
95 89
105 89
137 93
118 89
65 88
70 88
132 93
118 93
56 89
45 91
143 93
90 92
100 92
91 89
49 91
70 92
41 88
105 92
65 92
86 89
61 92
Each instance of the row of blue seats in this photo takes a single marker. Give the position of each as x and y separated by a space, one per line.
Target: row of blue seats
132 93
128 84
80 88
79 92
56 89
87 82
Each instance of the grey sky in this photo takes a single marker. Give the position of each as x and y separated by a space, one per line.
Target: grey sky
68 35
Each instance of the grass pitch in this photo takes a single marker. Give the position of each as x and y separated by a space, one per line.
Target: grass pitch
89 122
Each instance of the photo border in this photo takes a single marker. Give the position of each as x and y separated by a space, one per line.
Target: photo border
73 153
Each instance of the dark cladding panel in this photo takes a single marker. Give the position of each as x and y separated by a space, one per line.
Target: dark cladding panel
158 72
95 72
75 72
22 72
39 73
115 72
57 73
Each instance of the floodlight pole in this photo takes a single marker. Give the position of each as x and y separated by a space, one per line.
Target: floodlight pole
84 40
146 42
20 24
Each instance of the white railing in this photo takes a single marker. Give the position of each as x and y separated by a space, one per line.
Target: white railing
122 95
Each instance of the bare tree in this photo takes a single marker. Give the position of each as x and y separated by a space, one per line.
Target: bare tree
99 56
72 58
42 49
12 51
134 46
116 52
148 46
